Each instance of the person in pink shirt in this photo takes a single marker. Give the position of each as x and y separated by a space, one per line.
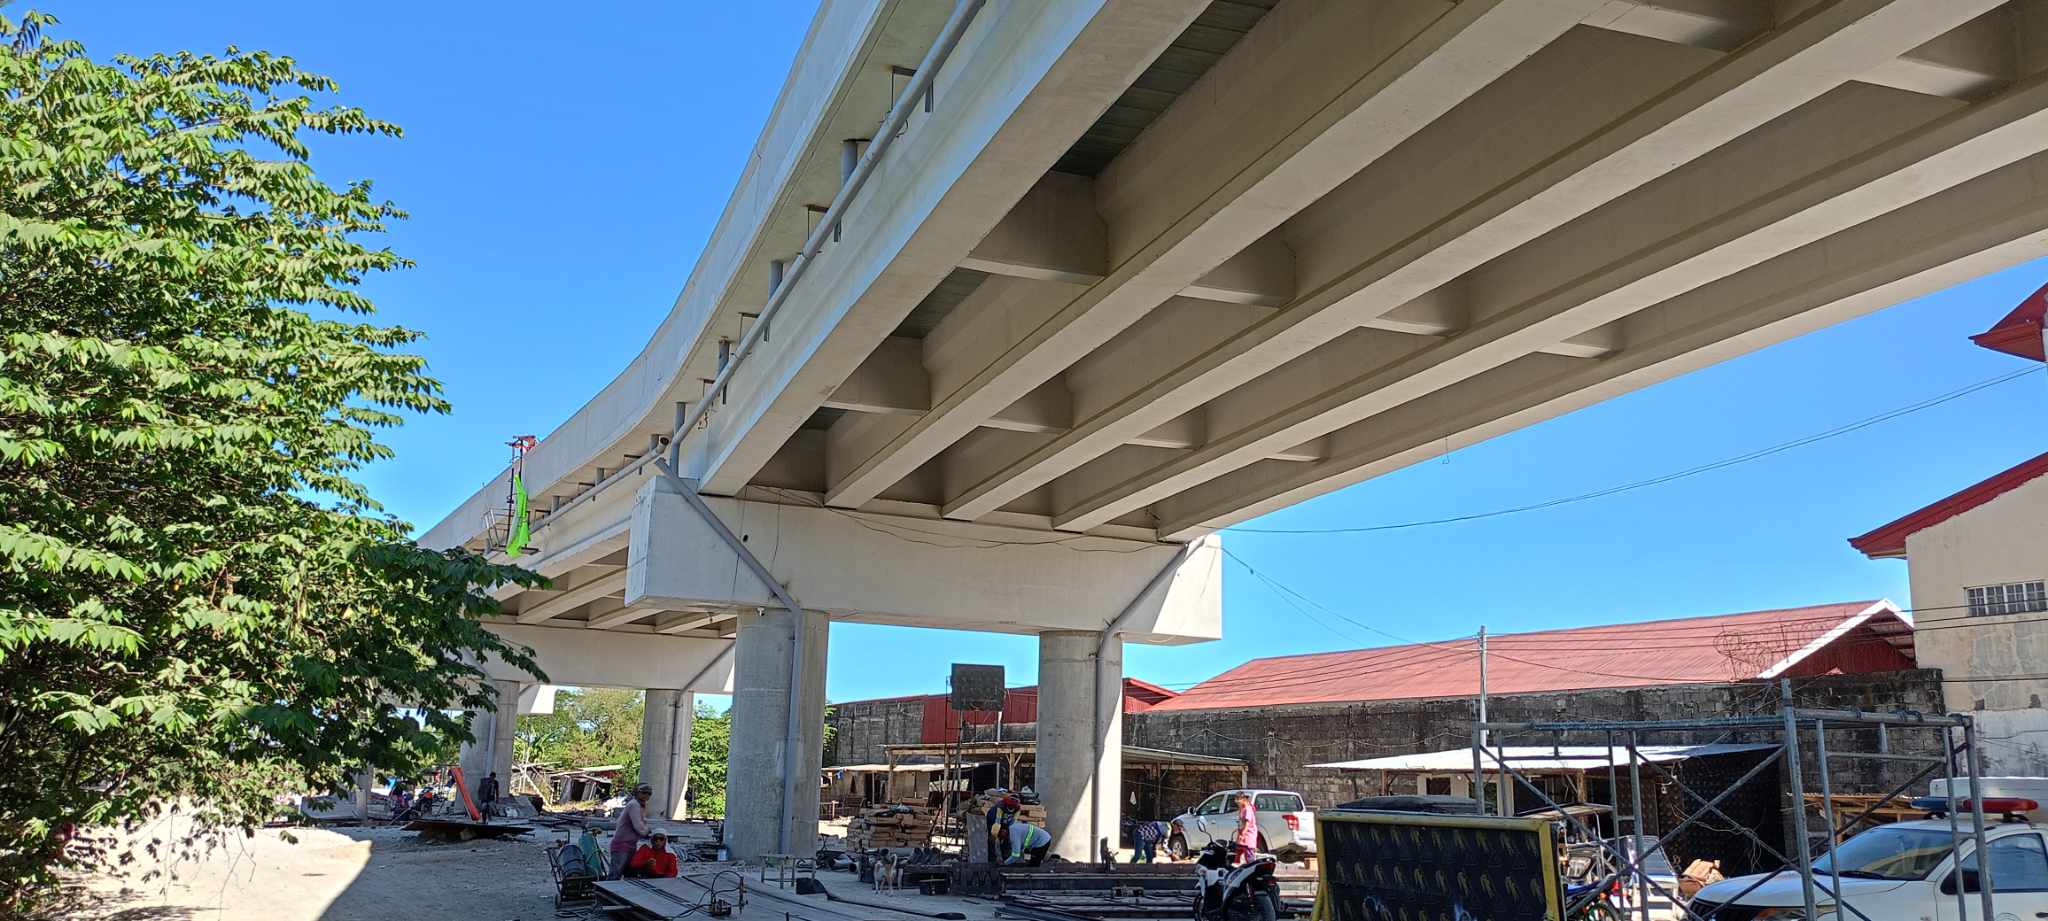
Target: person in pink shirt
1247 827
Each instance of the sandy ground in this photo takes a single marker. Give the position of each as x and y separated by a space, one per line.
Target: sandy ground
342 874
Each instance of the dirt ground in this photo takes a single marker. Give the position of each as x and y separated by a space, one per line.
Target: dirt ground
340 874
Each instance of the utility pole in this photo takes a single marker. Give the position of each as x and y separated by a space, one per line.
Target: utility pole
1479 788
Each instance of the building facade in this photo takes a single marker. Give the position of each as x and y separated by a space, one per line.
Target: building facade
1978 564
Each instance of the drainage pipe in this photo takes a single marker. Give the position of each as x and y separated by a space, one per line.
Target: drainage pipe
1110 632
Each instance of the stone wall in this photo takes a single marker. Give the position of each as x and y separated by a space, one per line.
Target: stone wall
861 729
1279 742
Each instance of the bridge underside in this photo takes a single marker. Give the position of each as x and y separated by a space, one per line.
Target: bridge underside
1141 269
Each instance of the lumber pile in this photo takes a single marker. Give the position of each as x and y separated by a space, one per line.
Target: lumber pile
898 825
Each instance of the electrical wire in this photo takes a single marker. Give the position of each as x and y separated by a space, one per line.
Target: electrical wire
1745 457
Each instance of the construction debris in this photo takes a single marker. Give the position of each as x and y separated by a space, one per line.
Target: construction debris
463 830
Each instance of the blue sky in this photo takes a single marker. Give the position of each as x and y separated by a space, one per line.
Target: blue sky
561 168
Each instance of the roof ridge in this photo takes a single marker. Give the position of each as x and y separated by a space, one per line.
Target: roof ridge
1857 604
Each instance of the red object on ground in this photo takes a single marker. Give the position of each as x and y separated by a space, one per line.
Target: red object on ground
462 787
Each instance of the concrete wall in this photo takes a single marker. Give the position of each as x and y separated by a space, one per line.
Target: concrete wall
2004 540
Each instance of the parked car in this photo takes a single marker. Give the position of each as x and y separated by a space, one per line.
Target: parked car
1285 824
1905 870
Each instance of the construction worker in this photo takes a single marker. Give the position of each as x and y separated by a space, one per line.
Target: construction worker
652 860
1028 843
632 828
486 794
998 816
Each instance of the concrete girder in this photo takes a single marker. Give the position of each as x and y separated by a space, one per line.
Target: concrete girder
1981 226
1721 25
609 585
616 658
892 382
1704 108
1032 244
1024 83
1768 220
852 565
1318 88
1972 61
618 614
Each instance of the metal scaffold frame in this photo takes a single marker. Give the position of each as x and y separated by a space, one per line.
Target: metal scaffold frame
1489 743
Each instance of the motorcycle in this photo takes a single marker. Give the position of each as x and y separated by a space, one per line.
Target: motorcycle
1231 891
1593 901
419 807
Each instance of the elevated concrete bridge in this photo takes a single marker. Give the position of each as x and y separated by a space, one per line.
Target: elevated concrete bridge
1016 303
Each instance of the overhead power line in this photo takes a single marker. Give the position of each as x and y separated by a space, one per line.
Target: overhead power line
1743 458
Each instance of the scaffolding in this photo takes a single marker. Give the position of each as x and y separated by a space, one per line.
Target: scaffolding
1624 866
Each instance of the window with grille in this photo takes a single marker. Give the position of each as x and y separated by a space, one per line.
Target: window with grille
2010 598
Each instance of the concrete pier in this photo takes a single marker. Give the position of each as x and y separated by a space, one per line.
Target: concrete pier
1069 714
491 748
665 726
761 772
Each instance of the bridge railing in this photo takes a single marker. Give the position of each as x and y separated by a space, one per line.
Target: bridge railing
917 93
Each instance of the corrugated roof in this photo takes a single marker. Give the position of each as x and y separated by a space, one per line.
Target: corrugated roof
2019 332
1856 636
1527 758
1890 540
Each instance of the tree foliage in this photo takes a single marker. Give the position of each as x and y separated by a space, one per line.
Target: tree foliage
589 727
710 744
199 607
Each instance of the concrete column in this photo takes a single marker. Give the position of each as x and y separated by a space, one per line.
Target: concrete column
1068 767
761 774
491 749
665 750
365 779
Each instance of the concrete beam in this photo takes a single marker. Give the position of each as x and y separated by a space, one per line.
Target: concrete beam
620 615
616 658
1317 89
1938 156
1981 226
609 585
1444 239
1722 25
970 576
1024 83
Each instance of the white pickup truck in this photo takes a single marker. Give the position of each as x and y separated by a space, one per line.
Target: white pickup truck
1904 872
1285 824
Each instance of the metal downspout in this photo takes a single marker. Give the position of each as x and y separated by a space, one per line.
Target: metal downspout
790 739
1109 632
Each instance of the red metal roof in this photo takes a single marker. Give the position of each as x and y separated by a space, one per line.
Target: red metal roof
1890 540
1860 636
2019 333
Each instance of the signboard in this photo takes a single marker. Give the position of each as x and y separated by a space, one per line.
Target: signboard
977 687
1394 866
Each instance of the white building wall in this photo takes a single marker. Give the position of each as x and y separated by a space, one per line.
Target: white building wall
2004 540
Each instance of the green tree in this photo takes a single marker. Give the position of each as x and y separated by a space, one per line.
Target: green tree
199 607
710 743
590 726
